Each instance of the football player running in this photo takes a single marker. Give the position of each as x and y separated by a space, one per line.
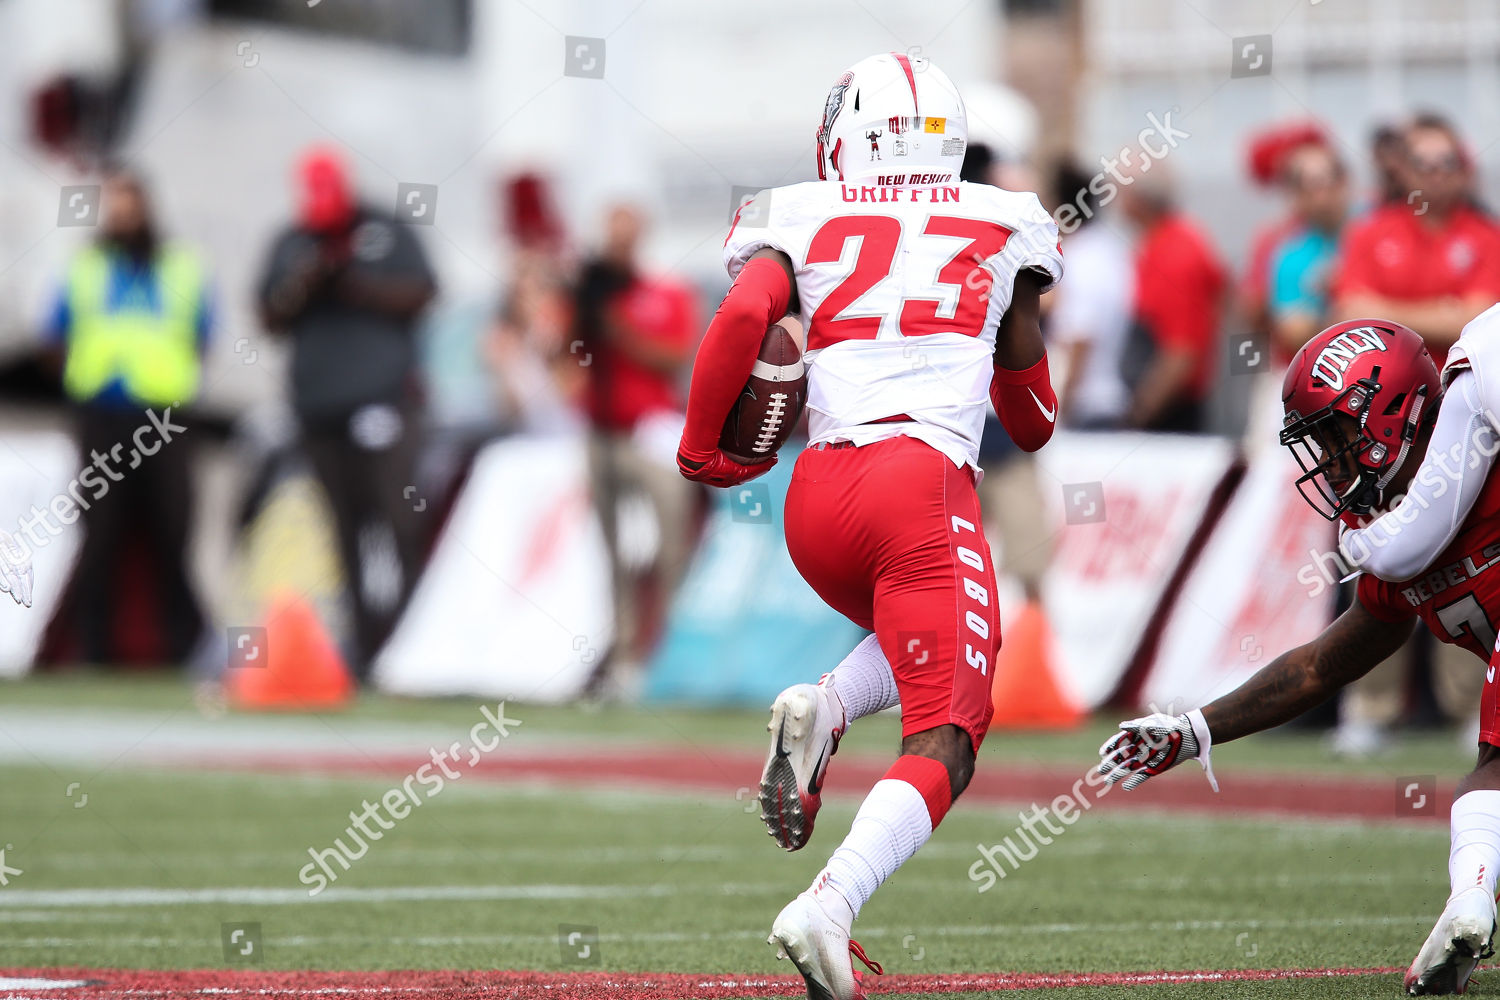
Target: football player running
920 296
1413 485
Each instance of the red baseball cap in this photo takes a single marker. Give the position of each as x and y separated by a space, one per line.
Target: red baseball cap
326 200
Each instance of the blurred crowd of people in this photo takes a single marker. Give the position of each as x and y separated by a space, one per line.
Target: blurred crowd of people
1419 247
585 339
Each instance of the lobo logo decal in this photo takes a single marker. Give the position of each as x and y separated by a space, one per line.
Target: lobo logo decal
834 105
1333 361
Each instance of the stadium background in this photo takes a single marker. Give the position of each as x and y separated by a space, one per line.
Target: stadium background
1173 565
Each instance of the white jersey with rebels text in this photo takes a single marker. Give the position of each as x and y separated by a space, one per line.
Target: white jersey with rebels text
901 285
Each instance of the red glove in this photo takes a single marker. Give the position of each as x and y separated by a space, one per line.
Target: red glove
1026 404
715 468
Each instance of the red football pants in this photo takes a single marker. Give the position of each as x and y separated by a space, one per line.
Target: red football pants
889 534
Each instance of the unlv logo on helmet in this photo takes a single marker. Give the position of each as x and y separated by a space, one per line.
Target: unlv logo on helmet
1333 361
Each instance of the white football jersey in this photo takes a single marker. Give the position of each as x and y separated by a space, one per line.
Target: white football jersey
1478 350
901 287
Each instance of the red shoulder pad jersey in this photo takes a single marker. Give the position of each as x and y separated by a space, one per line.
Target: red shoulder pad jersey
1458 595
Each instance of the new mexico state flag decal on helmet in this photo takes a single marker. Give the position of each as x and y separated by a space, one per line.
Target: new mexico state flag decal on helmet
935 125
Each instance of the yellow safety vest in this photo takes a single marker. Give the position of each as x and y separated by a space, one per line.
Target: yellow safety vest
155 354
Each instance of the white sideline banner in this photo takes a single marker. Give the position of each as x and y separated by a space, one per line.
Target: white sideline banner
1249 598
1126 506
35 468
515 601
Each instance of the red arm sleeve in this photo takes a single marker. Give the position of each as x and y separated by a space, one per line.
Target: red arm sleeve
1025 403
758 297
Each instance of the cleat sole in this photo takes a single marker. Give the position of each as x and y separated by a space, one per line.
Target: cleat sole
780 804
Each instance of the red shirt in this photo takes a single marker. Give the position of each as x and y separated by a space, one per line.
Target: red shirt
1256 289
1395 253
1179 291
658 312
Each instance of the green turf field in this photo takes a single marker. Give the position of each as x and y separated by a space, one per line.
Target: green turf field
147 871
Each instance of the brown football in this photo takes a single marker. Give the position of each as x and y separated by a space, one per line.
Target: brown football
766 413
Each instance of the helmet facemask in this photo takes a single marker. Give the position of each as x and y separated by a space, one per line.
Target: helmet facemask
1345 469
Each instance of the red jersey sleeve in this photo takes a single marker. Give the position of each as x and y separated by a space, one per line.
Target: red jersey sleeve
1381 600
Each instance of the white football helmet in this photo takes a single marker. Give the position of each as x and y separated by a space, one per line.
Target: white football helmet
892 114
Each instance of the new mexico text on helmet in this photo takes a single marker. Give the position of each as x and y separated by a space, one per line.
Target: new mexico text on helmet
892 114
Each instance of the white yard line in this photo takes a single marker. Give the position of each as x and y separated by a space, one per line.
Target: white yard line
254 896
756 934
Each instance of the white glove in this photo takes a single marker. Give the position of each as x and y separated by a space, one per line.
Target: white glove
1144 748
15 569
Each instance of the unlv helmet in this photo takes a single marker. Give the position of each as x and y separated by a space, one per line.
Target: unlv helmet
888 114
1355 398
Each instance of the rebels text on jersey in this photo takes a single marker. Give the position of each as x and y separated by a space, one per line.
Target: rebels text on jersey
901 286
1458 597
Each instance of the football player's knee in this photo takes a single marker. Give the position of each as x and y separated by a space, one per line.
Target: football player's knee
1486 773
950 746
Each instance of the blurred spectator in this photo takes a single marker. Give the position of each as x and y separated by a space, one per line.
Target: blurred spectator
1090 316
1388 156
131 323
1180 288
634 333
1269 152
347 283
541 382
1429 260
1302 262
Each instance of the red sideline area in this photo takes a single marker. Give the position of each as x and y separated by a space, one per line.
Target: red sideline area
996 781
115 984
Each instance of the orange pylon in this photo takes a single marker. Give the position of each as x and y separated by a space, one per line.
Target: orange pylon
1025 692
303 668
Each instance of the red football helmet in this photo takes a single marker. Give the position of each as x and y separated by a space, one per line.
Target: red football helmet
1355 397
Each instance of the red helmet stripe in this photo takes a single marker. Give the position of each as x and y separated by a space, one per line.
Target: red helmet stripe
911 78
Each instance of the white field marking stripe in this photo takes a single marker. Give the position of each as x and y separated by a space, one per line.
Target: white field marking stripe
40 984
63 900
956 931
777 373
428 855
250 895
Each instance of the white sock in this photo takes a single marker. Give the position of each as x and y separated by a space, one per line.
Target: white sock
891 825
1474 858
863 681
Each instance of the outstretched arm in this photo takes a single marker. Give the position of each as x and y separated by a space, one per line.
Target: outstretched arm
1286 687
1302 678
